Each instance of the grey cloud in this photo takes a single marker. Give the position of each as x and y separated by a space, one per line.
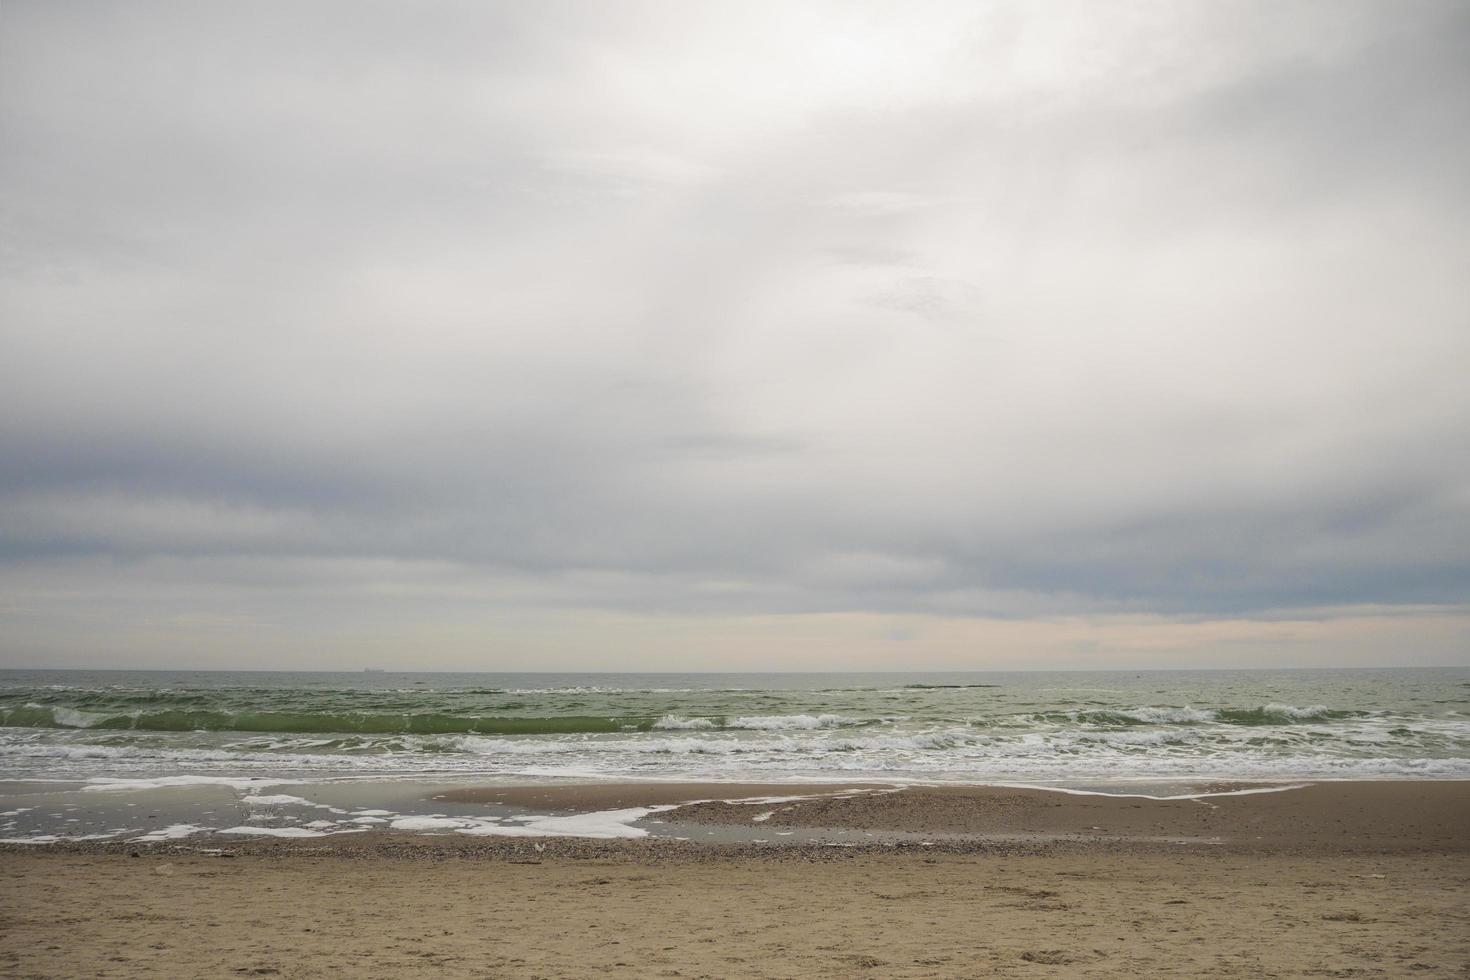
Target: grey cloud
741 309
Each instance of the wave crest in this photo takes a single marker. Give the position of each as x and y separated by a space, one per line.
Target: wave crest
790 722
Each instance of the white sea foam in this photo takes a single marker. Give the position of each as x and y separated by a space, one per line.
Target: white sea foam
755 722
599 824
664 745
1160 716
430 823
1068 791
1189 715
38 839
1294 712
104 784
604 824
1138 738
821 741
19 747
675 722
288 831
54 838
172 832
74 718
787 722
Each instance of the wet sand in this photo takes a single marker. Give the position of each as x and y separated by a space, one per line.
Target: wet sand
581 797
1322 818
1326 818
1346 879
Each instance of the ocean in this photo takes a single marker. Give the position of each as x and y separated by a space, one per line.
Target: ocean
1079 729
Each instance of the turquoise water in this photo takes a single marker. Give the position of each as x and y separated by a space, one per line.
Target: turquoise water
1052 727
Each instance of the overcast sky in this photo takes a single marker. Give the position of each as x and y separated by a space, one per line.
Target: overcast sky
734 336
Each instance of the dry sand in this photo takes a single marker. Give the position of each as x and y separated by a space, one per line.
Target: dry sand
1314 904
889 916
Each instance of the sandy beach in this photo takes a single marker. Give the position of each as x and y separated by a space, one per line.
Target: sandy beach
1338 879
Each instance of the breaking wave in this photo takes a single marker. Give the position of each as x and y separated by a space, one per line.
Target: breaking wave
1270 714
661 726
425 723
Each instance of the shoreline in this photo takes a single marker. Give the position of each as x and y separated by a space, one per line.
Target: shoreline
1345 817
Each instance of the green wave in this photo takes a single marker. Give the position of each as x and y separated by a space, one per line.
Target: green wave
313 722
1271 714
1276 716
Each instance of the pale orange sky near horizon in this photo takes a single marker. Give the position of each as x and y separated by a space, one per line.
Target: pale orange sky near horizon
592 641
